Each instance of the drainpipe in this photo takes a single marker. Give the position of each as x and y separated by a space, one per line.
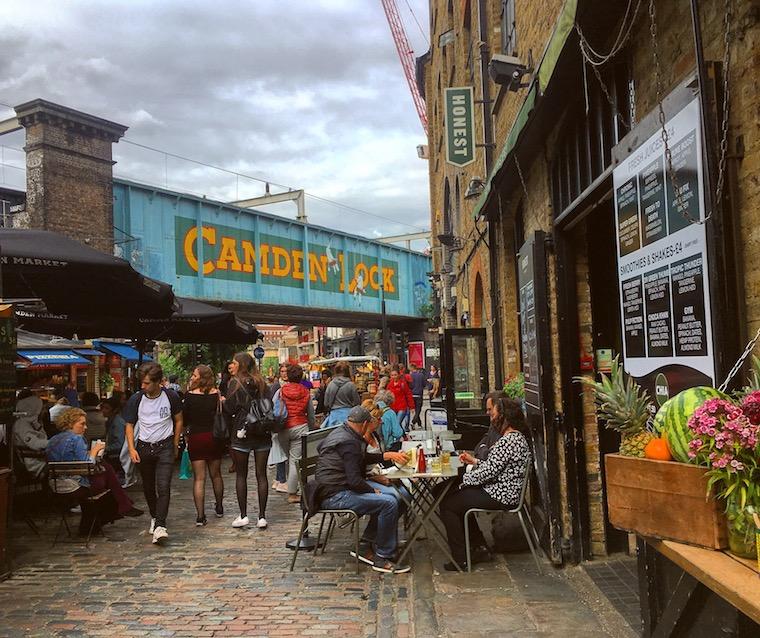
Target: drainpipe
488 144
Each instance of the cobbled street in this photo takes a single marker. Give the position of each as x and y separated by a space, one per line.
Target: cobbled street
218 581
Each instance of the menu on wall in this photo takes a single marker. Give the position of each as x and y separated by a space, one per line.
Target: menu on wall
529 325
662 258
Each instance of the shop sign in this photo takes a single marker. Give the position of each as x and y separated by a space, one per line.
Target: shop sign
416 353
460 128
662 259
224 252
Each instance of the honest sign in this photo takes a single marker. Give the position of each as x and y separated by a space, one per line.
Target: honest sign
460 131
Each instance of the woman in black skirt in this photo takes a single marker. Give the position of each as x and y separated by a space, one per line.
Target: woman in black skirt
199 407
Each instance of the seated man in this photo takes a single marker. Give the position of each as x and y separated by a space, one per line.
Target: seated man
340 483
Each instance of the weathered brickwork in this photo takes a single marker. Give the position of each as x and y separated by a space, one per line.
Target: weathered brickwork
69 172
532 203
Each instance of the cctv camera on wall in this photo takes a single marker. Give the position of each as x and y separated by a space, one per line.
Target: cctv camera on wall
508 70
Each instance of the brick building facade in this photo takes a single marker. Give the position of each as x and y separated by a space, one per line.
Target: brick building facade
555 142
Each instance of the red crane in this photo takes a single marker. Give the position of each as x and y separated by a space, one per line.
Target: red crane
406 55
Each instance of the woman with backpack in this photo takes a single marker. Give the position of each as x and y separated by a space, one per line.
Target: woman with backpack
245 386
296 400
340 396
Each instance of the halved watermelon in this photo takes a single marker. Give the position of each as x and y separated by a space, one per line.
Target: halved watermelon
671 421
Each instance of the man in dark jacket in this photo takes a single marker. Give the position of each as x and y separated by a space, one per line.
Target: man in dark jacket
341 484
418 385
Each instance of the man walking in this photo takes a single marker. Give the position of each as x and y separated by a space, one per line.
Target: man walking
340 484
419 382
154 425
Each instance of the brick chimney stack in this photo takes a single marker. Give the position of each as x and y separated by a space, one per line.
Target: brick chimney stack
69 171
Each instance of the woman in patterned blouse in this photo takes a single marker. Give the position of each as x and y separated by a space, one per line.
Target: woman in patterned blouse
493 483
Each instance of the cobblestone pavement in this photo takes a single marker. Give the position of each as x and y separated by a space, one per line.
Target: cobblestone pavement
218 581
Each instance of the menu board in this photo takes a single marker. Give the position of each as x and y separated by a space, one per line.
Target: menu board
662 256
529 325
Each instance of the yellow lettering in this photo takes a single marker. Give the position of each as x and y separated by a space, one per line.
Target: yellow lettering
360 272
281 261
388 280
373 278
342 279
297 263
191 238
228 255
264 257
318 264
249 255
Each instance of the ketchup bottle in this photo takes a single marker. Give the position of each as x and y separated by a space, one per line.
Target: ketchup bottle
421 463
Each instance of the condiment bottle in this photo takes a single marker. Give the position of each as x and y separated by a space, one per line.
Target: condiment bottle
421 463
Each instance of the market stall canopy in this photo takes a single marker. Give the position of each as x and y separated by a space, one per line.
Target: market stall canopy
123 350
53 357
70 277
193 322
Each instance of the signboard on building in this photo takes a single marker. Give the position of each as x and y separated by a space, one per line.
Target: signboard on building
662 258
460 127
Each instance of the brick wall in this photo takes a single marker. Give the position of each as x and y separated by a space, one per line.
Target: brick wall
69 172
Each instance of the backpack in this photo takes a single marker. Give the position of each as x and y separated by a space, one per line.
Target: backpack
260 419
280 407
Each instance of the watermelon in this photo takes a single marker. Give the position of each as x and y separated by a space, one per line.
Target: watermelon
672 419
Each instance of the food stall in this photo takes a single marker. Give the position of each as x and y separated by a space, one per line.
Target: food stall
364 370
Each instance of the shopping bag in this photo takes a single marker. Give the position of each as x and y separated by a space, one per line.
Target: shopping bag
185 467
277 453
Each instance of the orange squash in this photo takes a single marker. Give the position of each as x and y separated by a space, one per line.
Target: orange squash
657 449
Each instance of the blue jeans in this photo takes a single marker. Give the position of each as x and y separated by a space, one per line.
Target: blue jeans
383 510
403 419
281 472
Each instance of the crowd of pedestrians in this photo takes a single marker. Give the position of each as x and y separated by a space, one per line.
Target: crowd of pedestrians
145 432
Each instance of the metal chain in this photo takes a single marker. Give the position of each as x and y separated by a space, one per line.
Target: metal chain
622 38
612 102
661 113
727 19
522 179
740 362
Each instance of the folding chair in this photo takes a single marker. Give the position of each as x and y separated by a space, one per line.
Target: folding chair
58 470
307 467
522 514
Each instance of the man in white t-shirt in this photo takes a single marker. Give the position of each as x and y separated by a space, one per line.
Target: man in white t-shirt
156 414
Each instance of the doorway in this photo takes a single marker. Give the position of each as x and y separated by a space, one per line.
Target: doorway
605 332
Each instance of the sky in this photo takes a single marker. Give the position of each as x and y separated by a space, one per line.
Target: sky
304 93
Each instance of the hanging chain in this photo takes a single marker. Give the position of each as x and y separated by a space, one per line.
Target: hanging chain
727 18
682 209
615 110
522 179
740 362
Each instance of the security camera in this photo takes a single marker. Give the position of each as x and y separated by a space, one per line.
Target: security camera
508 70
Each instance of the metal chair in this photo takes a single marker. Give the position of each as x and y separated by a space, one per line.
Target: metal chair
307 467
58 470
531 536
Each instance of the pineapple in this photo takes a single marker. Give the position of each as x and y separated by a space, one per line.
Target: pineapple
624 406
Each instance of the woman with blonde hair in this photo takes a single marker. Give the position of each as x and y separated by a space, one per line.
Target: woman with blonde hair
70 445
199 408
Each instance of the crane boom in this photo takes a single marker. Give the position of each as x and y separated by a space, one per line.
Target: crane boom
406 55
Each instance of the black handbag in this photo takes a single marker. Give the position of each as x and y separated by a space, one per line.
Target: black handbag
220 431
261 420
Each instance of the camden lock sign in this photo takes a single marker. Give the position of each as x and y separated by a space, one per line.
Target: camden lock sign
460 130
234 254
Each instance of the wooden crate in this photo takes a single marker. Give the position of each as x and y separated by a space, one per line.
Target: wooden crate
663 499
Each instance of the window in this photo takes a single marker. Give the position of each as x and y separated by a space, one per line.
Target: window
508 27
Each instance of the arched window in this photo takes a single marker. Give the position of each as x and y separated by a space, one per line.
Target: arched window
478 304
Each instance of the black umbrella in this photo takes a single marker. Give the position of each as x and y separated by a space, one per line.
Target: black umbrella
193 322
75 279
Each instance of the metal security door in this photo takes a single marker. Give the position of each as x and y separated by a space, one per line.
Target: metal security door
536 360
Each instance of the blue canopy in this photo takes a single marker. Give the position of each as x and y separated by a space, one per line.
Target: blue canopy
53 357
121 350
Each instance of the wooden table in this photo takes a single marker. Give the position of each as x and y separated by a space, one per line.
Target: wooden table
735 580
423 504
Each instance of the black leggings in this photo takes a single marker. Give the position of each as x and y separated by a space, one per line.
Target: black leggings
241 480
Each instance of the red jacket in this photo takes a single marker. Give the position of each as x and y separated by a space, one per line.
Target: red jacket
402 395
296 398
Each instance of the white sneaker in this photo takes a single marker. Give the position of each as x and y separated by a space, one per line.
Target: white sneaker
159 534
152 527
240 521
262 524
